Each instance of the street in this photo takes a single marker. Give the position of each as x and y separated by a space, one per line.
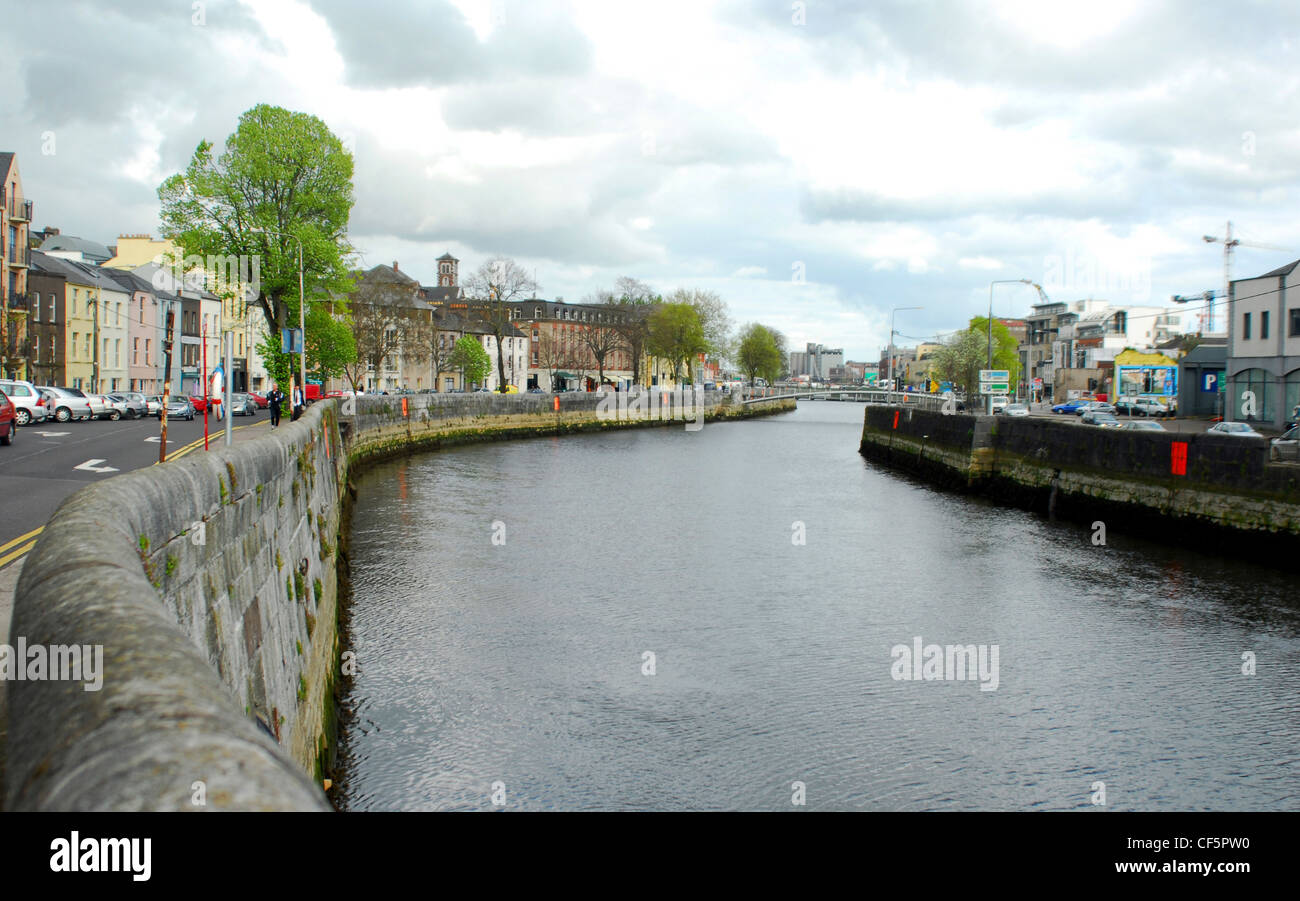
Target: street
49 461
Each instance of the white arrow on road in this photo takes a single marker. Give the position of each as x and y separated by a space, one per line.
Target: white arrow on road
153 438
93 466
54 434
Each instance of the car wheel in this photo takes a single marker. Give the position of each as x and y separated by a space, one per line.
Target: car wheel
63 414
115 416
22 417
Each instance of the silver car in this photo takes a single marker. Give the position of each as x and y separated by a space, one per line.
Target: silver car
29 403
1235 429
67 403
242 405
135 404
1286 447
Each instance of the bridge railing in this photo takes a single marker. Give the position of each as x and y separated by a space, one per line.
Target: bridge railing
861 395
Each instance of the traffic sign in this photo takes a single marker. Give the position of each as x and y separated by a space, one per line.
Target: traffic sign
995 375
994 387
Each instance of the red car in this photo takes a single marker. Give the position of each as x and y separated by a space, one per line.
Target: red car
259 399
8 420
199 401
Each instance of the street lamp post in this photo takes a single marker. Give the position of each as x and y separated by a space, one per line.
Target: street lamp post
1004 281
892 386
302 317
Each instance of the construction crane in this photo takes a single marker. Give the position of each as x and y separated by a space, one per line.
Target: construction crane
1229 243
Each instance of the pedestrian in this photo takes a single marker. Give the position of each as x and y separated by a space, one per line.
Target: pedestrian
298 403
273 400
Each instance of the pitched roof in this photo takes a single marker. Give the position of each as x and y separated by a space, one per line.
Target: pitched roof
91 250
1281 270
130 280
6 160
447 256
441 294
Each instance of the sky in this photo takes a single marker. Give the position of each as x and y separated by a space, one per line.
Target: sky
818 164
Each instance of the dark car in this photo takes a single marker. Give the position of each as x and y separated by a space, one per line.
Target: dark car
8 419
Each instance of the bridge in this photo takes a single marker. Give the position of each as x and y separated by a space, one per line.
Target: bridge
860 395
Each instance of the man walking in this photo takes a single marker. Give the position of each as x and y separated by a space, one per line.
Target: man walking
298 402
273 400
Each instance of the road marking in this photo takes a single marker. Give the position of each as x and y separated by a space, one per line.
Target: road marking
90 466
21 552
53 434
21 538
156 439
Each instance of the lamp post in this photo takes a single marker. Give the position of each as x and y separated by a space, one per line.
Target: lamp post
892 386
302 317
1004 281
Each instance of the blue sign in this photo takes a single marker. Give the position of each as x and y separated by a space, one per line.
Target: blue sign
1211 382
290 340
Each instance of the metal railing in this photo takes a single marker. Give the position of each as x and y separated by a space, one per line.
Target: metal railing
20 211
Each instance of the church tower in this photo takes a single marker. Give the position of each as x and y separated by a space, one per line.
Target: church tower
447 265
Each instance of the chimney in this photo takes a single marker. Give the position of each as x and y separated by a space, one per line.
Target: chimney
395 265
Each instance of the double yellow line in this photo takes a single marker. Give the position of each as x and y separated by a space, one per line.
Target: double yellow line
18 547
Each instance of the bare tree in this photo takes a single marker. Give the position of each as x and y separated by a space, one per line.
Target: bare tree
495 287
633 301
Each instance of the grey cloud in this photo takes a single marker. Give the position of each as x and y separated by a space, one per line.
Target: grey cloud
429 42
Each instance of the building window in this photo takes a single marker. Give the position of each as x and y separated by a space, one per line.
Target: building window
1263 325
1245 326
135 351
75 335
146 352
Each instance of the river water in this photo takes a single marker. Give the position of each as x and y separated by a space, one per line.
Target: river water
507 599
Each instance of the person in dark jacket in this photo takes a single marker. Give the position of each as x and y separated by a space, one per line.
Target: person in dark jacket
298 402
273 400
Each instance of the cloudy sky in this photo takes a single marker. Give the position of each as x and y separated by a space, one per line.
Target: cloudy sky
816 163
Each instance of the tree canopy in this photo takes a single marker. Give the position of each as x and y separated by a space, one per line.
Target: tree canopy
757 353
471 359
283 177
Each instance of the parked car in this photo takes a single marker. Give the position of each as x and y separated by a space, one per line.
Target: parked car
242 405
1286 447
154 403
260 400
1096 406
1144 426
1235 429
1000 402
198 402
1101 418
1140 406
1073 407
29 403
8 419
134 403
109 407
67 403
1016 410
511 389
180 408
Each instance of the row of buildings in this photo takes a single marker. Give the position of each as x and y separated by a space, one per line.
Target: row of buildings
77 313
92 316
1250 373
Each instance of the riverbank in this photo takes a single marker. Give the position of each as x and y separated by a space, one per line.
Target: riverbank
1216 491
210 585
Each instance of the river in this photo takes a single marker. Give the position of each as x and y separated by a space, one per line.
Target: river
629 621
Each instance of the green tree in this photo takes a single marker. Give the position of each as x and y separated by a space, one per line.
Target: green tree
330 343
1006 349
675 333
471 359
757 353
282 175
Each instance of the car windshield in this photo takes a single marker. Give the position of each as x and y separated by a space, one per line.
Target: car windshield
1104 417
1236 427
